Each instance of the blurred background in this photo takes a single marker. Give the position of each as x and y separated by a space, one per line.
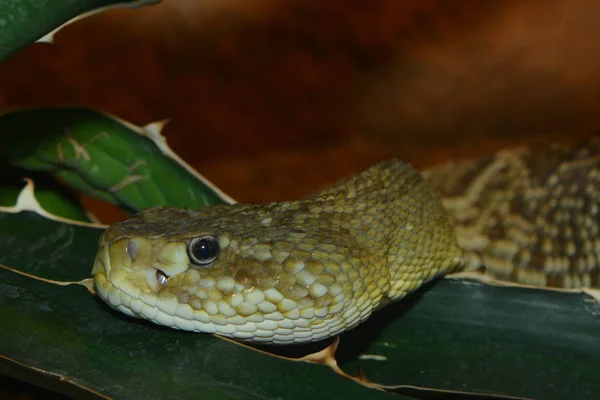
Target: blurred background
271 99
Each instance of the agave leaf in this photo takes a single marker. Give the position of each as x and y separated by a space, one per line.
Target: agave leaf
69 341
452 336
105 157
52 196
459 335
22 22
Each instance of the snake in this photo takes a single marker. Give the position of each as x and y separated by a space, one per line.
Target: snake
302 271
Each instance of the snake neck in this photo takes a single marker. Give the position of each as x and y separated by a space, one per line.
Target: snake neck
398 222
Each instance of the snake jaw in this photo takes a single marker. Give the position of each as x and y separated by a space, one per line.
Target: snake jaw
218 303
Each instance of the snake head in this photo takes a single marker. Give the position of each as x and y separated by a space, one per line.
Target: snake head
230 270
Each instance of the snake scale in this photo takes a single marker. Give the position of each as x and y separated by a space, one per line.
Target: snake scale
301 271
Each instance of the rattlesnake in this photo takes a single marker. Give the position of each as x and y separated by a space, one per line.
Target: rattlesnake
301 271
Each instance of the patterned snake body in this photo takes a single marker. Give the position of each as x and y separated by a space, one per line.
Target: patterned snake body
529 215
280 273
302 271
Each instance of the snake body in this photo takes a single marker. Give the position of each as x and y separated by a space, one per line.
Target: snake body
301 271
528 215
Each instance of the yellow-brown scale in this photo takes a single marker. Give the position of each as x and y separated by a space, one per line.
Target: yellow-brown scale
287 272
530 216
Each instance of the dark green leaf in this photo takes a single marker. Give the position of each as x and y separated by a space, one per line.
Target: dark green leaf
52 196
67 332
455 336
102 156
22 22
467 336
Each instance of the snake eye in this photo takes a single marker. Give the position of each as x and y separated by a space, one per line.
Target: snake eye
203 250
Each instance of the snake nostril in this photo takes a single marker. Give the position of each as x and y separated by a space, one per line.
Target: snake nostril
161 277
131 249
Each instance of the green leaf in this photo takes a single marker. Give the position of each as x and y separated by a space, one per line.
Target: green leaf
22 22
104 157
52 196
453 336
467 336
86 346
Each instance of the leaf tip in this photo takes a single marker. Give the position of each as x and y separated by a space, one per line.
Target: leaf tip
594 293
47 38
154 129
27 201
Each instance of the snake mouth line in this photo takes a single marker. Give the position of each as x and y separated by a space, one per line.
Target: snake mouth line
168 312
149 307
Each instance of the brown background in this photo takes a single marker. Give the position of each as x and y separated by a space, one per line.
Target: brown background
273 99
